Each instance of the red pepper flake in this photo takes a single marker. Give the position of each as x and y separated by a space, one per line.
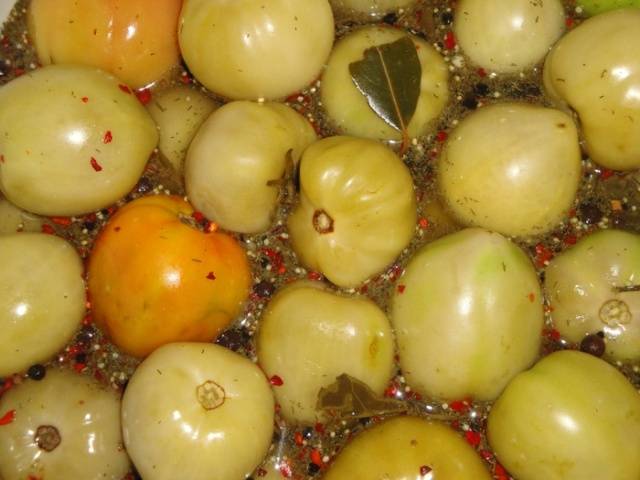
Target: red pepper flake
486 454
473 438
316 457
62 221
460 406
551 334
124 88
441 136
144 96
543 255
108 137
88 319
424 470
276 381
500 472
298 439
481 72
198 216
423 223
606 174
318 427
401 289
211 276
314 276
391 391
8 417
184 78
48 229
531 297
8 383
262 472
569 22
85 99
276 259
79 367
285 470
570 240
19 72
95 165
293 98
449 41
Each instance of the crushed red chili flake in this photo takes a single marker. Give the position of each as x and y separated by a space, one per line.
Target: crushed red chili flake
85 99
95 165
314 276
108 137
460 406
391 391
318 427
316 457
570 240
298 438
19 72
569 22
473 438
124 88
8 383
276 381
500 472
285 470
551 334
144 96
401 288
424 470
543 254
198 216
62 221
276 259
211 276
423 223
262 472
8 417
481 72
441 136
186 79
449 41
79 367
605 173
48 229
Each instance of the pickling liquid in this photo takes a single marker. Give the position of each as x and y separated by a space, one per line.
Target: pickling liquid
605 200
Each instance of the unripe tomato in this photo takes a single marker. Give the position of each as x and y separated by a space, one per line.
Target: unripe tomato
571 417
154 280
136 40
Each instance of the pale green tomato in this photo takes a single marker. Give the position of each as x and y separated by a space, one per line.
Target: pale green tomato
595 286
178 113
309 336
237 163
595 70
571 417
511 167
42 298
594 7
508 35
357 209
14 219
197 411
348 108
252 49
467 315
73 140
373 8
66 426
408 448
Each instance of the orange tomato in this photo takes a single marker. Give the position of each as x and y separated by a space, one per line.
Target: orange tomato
155 280
136 40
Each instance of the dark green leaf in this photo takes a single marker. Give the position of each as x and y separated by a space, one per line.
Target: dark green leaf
349 397
389 77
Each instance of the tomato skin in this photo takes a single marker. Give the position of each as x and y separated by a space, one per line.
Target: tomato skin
572 416
136 40
154 280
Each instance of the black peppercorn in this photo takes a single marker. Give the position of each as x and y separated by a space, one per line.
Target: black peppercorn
264 289
481 89
313 469
447 18
36 372
589 213
390 18
593 344
470 102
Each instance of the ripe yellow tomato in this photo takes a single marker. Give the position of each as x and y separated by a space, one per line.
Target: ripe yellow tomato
136 40
154 279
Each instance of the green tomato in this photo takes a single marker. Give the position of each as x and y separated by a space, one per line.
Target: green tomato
469 316
571 417
593 7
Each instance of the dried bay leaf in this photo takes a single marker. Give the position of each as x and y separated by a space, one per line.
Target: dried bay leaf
389 78
349 397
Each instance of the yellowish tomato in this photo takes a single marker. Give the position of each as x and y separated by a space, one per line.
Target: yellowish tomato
154 279
136 40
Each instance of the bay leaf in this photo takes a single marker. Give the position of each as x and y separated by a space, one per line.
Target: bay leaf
389 78
349 397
